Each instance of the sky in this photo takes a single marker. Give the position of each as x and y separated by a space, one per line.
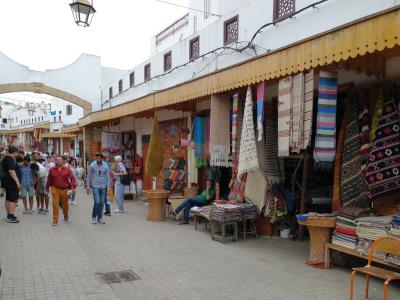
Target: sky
41 34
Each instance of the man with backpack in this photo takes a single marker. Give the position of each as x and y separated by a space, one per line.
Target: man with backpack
10 180
98 181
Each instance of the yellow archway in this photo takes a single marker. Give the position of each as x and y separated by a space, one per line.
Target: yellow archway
40 88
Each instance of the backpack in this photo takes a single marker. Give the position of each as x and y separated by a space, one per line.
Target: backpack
126 179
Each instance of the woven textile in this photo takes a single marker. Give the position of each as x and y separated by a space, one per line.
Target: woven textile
351 181
336 203
284 115
256 189
297 119
364 135
325 140
376 117
382 174
219 133
260 110
272 170
235 107
308 108
199 142
248 159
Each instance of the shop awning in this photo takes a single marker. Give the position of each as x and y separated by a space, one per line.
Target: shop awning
15 131
71 128
42 126
57 135
368 35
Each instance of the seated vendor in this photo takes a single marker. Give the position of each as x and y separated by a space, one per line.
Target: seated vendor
205 198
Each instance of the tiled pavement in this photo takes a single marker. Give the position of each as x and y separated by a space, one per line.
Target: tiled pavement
174 262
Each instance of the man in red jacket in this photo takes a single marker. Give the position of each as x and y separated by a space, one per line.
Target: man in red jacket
60 180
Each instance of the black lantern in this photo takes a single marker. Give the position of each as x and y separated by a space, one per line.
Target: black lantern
83 12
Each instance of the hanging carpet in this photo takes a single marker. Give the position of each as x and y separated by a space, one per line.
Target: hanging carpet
284 115
297 119
219 134
351 181
260 110
248 159
325 140
383 167
308 108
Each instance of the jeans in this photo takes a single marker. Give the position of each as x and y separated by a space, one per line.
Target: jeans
187 205
99 196
138 187
107 207
119 195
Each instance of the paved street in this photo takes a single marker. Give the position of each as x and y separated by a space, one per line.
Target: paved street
173 262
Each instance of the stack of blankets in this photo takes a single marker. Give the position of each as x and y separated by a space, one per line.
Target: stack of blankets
345 234
225 213
369 229
249 211
394 229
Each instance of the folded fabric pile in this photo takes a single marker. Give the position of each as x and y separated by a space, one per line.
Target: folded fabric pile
394 229
372 228
344 237
225 212
249 211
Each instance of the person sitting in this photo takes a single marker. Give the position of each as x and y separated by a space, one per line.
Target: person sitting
205 198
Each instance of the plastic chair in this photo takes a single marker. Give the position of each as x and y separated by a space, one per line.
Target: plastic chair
389 245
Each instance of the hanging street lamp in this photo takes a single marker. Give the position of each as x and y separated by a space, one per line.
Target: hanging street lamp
83 12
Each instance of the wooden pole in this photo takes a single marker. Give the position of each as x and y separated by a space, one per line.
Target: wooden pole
304 190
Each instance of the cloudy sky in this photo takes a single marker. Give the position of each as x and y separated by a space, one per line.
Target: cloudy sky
42 34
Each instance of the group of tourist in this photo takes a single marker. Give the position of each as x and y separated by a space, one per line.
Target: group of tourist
38 175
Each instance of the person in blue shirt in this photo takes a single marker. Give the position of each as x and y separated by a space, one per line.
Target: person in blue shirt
98 182
29 179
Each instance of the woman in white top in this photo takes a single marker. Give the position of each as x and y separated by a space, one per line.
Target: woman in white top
119 187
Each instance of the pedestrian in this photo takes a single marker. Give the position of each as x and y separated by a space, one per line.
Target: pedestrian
205 198
107 202
72 166
98 181
35 156
80 171
41 193
61 181
138 175
48 164
29 179
119 186
11 182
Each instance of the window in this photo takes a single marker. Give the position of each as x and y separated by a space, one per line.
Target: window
147 72
42 116
55 119
110 93
207 8
69 110
60 112
132 79
194 48
4 120
283 9
167 61
120 86
231 30
21 122
59 118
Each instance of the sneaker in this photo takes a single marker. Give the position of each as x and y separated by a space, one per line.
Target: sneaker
66 219
117 211
54 224
73 202
100 221
94 220
46 211
40 211
12 220
107 213
25 211
30 211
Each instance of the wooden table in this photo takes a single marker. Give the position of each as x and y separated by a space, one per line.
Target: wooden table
156 199
320 233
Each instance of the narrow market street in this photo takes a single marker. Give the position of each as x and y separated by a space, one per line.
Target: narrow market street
173 262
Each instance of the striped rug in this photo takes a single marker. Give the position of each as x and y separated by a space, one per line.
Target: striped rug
284 115
325 140
308 108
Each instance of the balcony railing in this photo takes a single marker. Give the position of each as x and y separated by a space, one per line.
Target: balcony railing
172 29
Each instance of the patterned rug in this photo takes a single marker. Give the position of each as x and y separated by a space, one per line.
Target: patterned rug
219 137
308 108
297 119
351 181
325 140
383 167
248 159
284 115
260 110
